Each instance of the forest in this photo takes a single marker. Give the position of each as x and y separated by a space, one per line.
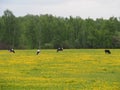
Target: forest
49 32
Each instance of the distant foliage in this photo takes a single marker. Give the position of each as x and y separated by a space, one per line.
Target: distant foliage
47 31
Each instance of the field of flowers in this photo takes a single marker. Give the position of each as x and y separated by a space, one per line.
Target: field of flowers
81 69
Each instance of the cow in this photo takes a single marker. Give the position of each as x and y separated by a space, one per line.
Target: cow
38 51
59 49
12 50
107 51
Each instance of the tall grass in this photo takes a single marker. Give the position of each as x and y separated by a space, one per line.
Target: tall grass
81 69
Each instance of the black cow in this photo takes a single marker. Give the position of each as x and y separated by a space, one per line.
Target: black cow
59 49
107 51
12 50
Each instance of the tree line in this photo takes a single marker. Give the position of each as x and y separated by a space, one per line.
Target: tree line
48 31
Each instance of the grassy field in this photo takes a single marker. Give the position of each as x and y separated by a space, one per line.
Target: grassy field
81 69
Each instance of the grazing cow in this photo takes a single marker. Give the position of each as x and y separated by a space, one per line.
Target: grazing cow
38 51
107 51
12 50
59 49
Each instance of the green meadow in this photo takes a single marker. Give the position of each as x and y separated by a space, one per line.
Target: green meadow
71 69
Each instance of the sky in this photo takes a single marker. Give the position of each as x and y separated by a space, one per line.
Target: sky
63 8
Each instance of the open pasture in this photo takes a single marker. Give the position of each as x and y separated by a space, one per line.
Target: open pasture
72 69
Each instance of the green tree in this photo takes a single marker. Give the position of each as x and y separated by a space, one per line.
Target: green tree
10 33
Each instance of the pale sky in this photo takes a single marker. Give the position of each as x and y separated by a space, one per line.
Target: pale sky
64 8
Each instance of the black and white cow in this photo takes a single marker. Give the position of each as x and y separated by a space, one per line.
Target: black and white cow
38 51
107 51
12 50
59 49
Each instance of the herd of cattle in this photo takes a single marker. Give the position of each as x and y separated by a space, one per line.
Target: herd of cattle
107 51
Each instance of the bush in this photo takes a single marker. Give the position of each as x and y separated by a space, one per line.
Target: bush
48 46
